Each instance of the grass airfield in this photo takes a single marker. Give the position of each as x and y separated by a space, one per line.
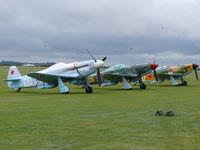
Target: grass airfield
110 118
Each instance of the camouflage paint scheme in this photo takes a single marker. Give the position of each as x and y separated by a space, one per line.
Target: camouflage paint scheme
119 73
171 73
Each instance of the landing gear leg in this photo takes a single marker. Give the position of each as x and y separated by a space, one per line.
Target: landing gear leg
142 85
174 83
18 90
184 83
63 88
88 89
126 86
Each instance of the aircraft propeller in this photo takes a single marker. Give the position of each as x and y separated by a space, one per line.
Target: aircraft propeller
195 66
98 70
153 67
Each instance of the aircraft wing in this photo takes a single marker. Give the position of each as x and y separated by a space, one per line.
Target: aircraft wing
173 75
118 76
167 76
52 78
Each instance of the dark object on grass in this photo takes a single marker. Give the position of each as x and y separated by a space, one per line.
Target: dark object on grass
170 113
159 113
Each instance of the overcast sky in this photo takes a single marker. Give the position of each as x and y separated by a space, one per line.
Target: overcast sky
126 31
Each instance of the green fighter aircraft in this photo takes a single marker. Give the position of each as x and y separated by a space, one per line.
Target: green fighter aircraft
125 74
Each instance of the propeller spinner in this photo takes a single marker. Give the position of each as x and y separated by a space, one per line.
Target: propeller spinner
98 63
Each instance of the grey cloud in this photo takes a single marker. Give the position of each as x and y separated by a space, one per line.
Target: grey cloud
45 30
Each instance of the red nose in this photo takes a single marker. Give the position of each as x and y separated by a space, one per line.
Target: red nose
153 66
195 66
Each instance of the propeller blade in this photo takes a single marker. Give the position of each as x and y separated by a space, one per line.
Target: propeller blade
99 76
155 74
104 58
196 74
195 66
153 67
91 55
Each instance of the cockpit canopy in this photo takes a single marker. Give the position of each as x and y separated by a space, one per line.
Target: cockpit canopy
116 67
163 67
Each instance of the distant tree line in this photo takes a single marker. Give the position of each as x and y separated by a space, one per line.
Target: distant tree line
15 63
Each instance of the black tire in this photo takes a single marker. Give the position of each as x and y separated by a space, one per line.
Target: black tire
184 83
65 92
159 113
143 86
170 114
18 90
88 89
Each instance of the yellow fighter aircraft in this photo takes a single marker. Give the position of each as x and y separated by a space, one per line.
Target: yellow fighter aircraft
172 73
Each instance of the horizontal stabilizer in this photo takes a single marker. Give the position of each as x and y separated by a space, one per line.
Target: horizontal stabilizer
12 80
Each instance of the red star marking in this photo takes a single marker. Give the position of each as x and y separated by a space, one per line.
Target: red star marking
12 72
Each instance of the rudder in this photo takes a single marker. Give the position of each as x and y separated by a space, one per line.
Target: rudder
13 74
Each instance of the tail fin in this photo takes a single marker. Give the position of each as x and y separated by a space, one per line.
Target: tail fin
13 74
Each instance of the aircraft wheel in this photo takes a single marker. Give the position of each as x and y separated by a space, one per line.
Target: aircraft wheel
65 92
89 89
143 86
18 90
184 83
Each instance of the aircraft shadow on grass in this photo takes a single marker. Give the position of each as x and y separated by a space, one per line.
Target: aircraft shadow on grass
41 93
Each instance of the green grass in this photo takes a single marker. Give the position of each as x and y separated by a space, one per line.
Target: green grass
110 118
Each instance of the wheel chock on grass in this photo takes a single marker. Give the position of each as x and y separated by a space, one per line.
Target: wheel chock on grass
159 113
170 113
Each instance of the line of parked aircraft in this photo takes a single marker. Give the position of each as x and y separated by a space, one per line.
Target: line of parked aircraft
82 73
